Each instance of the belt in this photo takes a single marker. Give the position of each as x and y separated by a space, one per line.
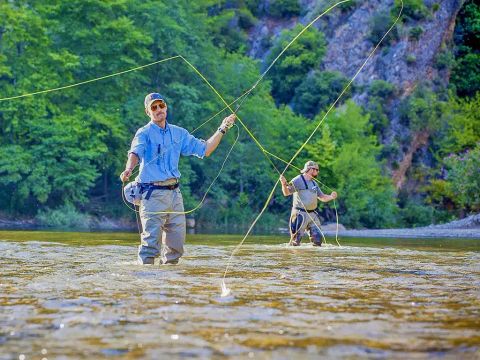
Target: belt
150 187
162 187
305 210
171 181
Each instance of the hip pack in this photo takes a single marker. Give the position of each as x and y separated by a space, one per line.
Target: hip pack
133 192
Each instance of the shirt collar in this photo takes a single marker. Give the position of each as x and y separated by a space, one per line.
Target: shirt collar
167 128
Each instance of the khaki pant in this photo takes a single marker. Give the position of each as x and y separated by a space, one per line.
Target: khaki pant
171 227
301 222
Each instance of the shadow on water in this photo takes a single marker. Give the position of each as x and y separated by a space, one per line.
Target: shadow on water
82 296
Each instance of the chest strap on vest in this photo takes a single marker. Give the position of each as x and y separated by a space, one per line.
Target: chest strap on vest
149 188
304 181
305 210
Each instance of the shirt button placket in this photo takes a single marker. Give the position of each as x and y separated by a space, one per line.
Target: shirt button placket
164 154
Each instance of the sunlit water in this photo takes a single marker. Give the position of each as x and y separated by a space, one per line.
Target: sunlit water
82 296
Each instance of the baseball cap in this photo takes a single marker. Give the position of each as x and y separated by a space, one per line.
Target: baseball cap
150 98
308 165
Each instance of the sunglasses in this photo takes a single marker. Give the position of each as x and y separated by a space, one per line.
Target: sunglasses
315 169
160 105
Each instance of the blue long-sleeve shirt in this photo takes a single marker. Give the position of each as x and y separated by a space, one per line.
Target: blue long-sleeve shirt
159 151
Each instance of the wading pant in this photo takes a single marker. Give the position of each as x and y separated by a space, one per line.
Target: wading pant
301 222
170 227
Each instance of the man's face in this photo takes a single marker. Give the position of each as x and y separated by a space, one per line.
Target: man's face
313 172
158 111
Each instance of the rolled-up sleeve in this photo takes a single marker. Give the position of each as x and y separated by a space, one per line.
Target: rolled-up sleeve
193 146
319 192
138 144
295 185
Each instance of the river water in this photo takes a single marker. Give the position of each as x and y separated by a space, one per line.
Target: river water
82 296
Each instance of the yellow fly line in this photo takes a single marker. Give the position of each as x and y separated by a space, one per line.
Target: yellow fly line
91 80
225 289
228 106
244 95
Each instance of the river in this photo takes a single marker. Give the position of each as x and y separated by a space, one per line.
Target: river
82 296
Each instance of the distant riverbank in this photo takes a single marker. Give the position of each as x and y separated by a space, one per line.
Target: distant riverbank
468 227
425 232
465 228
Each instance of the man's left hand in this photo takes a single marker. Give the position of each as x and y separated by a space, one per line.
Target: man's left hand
228 122
333 194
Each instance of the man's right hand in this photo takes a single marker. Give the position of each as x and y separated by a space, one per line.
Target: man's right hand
125 175
283 180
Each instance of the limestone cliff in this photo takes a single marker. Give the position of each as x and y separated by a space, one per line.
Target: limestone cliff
404 61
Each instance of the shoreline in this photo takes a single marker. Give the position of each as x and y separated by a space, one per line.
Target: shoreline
423 233
467 228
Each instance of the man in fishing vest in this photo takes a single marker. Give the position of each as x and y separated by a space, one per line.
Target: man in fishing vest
304 216
158 146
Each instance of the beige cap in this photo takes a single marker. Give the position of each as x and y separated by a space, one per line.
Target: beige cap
308 165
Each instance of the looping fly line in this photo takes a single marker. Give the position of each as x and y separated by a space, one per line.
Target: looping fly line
228 106
225 289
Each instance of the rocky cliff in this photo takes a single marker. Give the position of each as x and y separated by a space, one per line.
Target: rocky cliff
407 57
403 62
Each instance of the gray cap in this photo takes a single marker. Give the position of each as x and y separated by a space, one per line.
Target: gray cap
308 165
150 98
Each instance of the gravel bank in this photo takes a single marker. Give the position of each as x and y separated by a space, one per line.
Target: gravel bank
464 228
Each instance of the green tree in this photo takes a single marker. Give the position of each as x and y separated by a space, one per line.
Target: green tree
465 73
291 69
380 95
318 91
464 178
366 196
284 8
412 9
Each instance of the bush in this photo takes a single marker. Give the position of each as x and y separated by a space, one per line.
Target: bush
464 175
415 215
300 58
319 91
381 88
256 7
422 110
224 34
466 75
366 197
379 26
412 9
411 59
63 217
347 6
444 60
284 8
245 19
415 33
378 117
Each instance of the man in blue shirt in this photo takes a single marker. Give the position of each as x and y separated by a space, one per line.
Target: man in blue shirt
158 146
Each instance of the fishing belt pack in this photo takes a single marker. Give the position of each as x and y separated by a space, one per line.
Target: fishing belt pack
133 191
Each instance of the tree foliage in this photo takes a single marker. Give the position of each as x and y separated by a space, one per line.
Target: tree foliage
465 75
301 57
318 91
